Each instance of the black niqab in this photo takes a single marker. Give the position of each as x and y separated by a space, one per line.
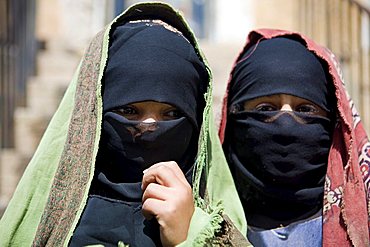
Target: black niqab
278 158
147 61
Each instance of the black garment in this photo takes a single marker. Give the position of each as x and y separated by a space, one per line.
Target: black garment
107 221
280 66
146 62
133 146
149 62
279 164
278 158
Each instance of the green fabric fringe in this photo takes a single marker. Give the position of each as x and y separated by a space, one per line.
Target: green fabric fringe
206 236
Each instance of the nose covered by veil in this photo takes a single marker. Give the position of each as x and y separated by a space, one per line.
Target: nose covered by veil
147 61
279 158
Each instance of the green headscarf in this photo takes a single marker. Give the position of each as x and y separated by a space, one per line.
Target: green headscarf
53 191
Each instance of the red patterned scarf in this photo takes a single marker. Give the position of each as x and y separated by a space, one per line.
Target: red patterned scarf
346 198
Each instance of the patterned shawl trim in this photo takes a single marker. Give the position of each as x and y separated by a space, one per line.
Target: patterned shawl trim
73 176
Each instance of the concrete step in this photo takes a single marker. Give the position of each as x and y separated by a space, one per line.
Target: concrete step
57 64
30 125
45 93
12 168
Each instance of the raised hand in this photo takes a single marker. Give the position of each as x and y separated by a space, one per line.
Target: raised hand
168 197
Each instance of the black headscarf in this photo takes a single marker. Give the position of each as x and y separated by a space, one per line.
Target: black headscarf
278 158
147 61
150 62
280 66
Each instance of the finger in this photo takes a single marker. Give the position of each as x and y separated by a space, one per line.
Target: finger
162 175
151 207
173 166
156 191
177 170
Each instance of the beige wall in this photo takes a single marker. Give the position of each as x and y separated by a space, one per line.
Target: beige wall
70 24
47 19
280 14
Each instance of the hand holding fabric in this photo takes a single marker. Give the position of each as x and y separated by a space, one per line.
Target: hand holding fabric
168 197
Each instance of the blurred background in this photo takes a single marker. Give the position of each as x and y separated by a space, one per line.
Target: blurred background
42 41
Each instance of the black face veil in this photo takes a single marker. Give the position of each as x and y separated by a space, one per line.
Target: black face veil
147 61
150 61
278 158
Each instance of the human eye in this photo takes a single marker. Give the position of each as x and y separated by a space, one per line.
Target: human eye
127 110
307 108
265 107
236 108
172 114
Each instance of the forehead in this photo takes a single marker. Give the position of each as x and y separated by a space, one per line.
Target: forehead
150 104
279 98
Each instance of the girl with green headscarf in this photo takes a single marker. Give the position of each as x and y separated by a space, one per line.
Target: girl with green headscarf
75 190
